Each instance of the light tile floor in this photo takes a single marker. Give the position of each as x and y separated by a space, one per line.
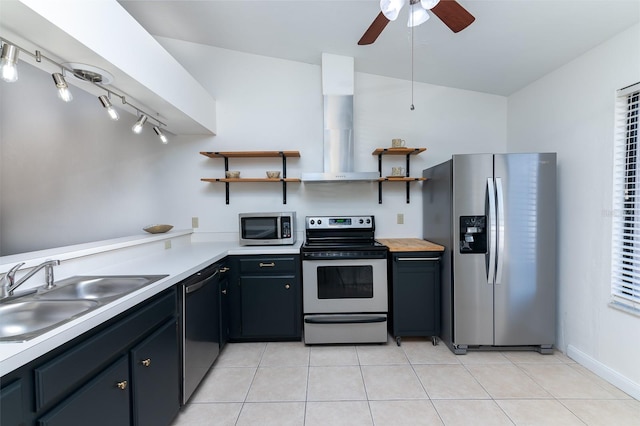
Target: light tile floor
289 383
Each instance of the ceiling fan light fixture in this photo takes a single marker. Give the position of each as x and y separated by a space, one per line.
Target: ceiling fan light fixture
417 15
429 4
391 8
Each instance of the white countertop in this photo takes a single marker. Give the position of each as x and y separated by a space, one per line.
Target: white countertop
178 262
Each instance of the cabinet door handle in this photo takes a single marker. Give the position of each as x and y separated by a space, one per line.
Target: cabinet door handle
122 385
430 259
287 286
146 362
224 269
267 265
224 291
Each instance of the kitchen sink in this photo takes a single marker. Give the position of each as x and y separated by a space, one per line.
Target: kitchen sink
25 317
98 287
21 320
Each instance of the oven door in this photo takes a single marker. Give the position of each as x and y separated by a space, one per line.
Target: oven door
344 286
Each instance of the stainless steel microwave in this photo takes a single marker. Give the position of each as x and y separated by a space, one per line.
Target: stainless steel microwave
267 229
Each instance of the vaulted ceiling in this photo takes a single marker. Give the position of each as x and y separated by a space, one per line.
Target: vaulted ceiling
511 43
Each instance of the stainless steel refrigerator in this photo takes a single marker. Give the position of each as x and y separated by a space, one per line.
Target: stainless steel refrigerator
496 216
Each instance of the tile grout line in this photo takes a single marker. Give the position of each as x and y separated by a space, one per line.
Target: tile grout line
251 384
423 386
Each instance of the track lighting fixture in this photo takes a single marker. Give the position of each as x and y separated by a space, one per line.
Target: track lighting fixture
8 63
110 109
137 128
161 135
63 88
87 73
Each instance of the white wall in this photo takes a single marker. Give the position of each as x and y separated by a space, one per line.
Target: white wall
70 175
272 104
571 112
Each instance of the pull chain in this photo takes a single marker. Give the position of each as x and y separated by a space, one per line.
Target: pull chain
412 107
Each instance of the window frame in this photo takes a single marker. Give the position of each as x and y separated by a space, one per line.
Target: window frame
625 232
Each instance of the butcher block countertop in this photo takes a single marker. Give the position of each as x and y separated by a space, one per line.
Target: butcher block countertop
410 244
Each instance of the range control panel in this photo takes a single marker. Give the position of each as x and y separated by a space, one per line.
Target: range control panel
339 222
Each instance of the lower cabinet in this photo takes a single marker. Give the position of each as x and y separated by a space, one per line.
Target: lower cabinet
155 377
414 294
105 400
124 373
265 298
11 403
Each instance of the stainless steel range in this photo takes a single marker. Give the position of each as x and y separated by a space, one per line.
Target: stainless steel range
344 272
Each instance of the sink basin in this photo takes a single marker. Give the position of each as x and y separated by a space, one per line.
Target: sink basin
30 315
22 320
98 287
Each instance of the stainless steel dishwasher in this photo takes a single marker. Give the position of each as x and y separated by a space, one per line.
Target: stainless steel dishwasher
200 325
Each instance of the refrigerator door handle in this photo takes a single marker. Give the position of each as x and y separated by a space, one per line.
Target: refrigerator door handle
500 240
491 198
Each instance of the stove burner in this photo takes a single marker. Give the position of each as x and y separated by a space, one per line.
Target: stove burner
341 237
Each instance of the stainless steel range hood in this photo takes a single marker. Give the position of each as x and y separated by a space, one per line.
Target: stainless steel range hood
337 90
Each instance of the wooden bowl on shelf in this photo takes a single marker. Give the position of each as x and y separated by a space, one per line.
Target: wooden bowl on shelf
157 229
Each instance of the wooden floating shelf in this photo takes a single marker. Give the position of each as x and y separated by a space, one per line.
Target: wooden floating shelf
240 180
398 151
407 152
253 154
250 154
401 179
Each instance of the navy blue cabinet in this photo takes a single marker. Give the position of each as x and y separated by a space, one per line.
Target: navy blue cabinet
265 298
414 294
104 400
125 372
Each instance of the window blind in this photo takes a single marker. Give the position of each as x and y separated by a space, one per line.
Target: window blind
625 284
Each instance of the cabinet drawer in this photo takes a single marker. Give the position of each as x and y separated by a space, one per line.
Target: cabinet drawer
66 372
267 265
103 401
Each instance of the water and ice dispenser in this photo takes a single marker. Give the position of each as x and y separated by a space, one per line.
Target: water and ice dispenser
473 234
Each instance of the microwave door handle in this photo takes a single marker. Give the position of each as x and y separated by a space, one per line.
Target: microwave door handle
491 199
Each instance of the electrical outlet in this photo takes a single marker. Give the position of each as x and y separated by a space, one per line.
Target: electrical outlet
400 218
167 244
195 222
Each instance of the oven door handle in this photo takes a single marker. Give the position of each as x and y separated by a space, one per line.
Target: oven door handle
345 320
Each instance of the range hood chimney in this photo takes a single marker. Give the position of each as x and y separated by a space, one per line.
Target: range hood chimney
337 91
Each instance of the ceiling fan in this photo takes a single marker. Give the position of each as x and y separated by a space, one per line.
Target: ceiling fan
454 16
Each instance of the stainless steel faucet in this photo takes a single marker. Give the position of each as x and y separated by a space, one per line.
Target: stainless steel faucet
10 284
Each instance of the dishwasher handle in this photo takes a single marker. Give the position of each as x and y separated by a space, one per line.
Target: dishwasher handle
197 286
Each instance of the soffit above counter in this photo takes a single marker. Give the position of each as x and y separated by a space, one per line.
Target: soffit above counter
102 34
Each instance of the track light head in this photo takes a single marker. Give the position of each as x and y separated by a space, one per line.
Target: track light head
110 109
63 88
137 127
8 63
161 135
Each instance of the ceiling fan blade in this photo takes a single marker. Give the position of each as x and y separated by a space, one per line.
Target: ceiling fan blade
374 29
453 15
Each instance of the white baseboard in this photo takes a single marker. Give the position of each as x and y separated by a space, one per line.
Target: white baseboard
611 376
